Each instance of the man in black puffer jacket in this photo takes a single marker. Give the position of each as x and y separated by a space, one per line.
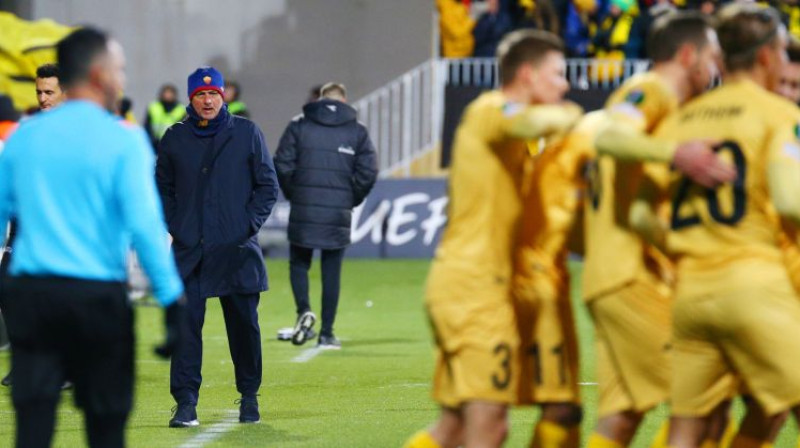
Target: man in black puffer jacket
326 165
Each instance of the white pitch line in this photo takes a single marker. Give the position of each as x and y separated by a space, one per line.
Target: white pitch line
587 384
214 432
307 355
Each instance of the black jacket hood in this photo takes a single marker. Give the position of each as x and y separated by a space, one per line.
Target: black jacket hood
329 112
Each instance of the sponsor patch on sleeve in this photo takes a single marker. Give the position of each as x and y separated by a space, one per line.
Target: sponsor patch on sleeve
635 97
628 110
792 150
511 109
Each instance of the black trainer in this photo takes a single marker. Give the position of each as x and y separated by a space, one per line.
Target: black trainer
248 410
184 416
301 329
6 380
328 343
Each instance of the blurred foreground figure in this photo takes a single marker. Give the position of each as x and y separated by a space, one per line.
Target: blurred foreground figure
81 199
469 291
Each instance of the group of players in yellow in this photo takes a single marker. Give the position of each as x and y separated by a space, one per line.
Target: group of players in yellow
684 204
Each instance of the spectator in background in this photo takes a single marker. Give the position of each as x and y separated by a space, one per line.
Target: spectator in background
49 93
235 105
326 166
313 94
538 14
708 7
125 109
615 36
217 186
491 27
455 26
8 117
577 17
163 113
790 10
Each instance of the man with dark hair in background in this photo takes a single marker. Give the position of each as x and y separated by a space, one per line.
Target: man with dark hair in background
326 166
71 314
233 93
313 93
49 93
163 113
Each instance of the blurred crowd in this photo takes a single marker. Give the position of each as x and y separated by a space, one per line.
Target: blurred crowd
603 29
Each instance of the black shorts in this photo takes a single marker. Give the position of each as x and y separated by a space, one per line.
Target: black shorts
80 330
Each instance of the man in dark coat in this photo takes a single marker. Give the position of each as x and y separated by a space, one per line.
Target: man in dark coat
326 166
218 186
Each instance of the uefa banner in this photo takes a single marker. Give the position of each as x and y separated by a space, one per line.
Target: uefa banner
401 218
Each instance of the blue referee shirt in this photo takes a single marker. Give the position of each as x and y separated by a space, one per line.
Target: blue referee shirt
81 186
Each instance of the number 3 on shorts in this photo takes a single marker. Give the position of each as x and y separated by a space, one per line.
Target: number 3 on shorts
500 381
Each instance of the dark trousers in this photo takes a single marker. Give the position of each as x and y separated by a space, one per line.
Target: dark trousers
4 263
244 341
299 264
77 329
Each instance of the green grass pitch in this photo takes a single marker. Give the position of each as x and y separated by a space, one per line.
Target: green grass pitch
373 393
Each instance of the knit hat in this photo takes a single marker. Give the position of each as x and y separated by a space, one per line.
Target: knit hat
205 78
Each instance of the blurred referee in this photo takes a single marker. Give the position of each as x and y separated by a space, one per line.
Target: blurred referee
81 186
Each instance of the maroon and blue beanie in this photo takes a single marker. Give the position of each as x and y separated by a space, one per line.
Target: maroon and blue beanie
205 78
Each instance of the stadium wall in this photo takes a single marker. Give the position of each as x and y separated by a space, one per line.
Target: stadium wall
276 49
401 218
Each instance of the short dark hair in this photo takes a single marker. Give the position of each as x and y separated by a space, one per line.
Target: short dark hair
523 47
743 29
672 30
48 71
166 87
78 51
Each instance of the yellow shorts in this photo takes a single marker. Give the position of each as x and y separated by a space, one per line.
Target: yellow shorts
548 357
752 330
475 350
791 255
633 330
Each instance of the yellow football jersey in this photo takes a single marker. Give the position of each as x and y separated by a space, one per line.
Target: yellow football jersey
475 256
722 236
615 255
556 187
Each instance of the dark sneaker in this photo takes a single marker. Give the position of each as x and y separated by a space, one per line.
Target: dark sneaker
328 343
184 416
6 380
67 385
248 410
304 324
